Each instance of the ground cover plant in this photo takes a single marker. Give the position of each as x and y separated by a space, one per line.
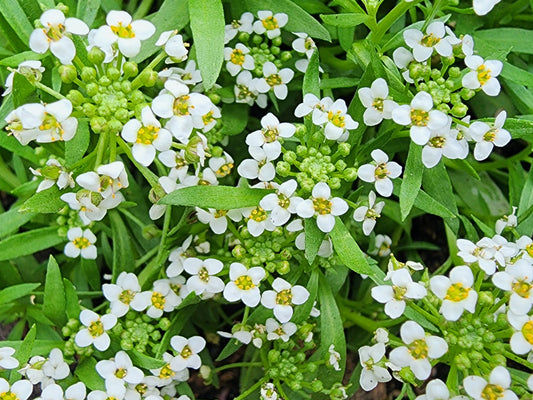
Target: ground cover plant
257 199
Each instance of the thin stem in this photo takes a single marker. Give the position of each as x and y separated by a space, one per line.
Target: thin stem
251 389
387 21
238 364
181 222
112 147
280 390
146 257
517 359
143 9
133 218
48 90
148 175
137 81
429 316
79 63
436 7
166 224
100 150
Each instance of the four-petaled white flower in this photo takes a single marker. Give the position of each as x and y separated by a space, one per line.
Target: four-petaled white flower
304 44
374 98
268 392
257 220
177 256
244 284
522 340
217 219
443 142
81 243
267 137
372 373
96 329
53 173
424 44
369 214
482 75
281 204
53 35
126 33
314 106
496 388
276 331
455 292
334 358
20 390
121 368
270 23
283 297
259 167
121 294
380 172
274 80
246 90
507 221
238 59
147 136
419 351
517 279
173 45
243 24
187 350
160 299
437 390
487 136
337 120
78 391
323 206
203 279
6 359
394 296
27 68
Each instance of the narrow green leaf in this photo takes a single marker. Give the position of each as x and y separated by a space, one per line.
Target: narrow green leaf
519 40
144 361
351 255
14 292
519 128
15 60
517 75
71 297
230 348
11 220
178 322
311 83
487 230
313 239
45 202
299 20
23 353
219 197
412 179
425 202
16 18
86 372
87 10
76 147
340 82
207 25
123 257
302 312
22 89
54 303
526 198
29 242
346 20
234 118
92 273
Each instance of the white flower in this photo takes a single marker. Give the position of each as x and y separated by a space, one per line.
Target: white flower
113 390
173 45
443 142
522 340
323 206
267 137
369 357
423 45
283 297
257 220
268 392
25 68
177 256
53 173
243 24
419 351
381 335
517 279
498 385
487 252
276 331
380 172
160 299
482 75
20 390
34 372
338 120
120 368
282 204
238 59
189 75
402 58
260 167
6 361
487 136
53 35
55 392
202 280
246 90
147 136
221 166
122 293
304 44
217 219
81 243
394 296
507 221
334 358
483 7
244 284
455 292
122 30
166 375
270 23
113 177
168 184
96 330
368 215
437 390
420 116
381 245
187 350
274 80
55 366
314 106
374 98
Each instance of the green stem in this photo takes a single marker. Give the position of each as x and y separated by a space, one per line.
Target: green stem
517 359
235 232
430 317
181 222
146 257
238 364
247 392
246 313
48 90
389 19
143 9
79 63
434 10
133 218
112 147
100 150
166 224
137 81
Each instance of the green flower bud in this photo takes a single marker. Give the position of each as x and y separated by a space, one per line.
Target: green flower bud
113 73
278 63
66 331
92 89
214 97
454 72
275 50
283 267
459 110
340 165
104 81
277 41
88 74
89 109
307 184
238 252
257 39
407 375
243 37
334 183
122 115
75 97
98 124
349 174
61 220
448 60
317 386
283 168
263 46
96 56
443 107
290 157
312 151
486 299
114 126
441 81
68 73
273 356
435 74
151 232
467 94
271 267
137 97
156 194
301 150
416 70
285 56
130 69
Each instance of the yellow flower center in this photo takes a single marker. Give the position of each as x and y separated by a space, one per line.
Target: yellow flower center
176 288
126 296
270 23
419 117
141 388
322 206
284 297
121 373
418 349
270 134
274 80
203 274
437 141
81 243
124 32
522 288
492 392
224 170
258 214
490 135
166 372
96 328
220 213
398 292
147 134
237 57
181 105
430 40
279 331
283 201
483 74
244 282
309 44
457 292
336 118
529 249
244 92
54 32
381 171
208 118
186 352
527 331
51 123
378 104
158 300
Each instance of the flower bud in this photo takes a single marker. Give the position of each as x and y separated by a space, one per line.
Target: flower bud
285 56
238 252
151 232
283 267
340 165
459 110
349 174
68 73
301 151
104 81
257 39
156 194
243 37
148 77
96 56
130 69
88 74
454 72
334 183
113 73
75 97
283 168
98 124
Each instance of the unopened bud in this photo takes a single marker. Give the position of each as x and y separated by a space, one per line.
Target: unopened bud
96 56
68 73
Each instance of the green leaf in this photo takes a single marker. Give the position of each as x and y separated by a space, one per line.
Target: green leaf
86 372
178 322
313 239
29 242
218 197
92 273
299 20
437 184
11 220
22 89
526 198
87 10
301 313
24 352
518 40
412 179
426 203
347 20
54 303
517 75
339 82
77 146
71 296
45 202
311 83
16 18
144 361
123 257
234 118
15 60
15 292
351 255
519 128
207 25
